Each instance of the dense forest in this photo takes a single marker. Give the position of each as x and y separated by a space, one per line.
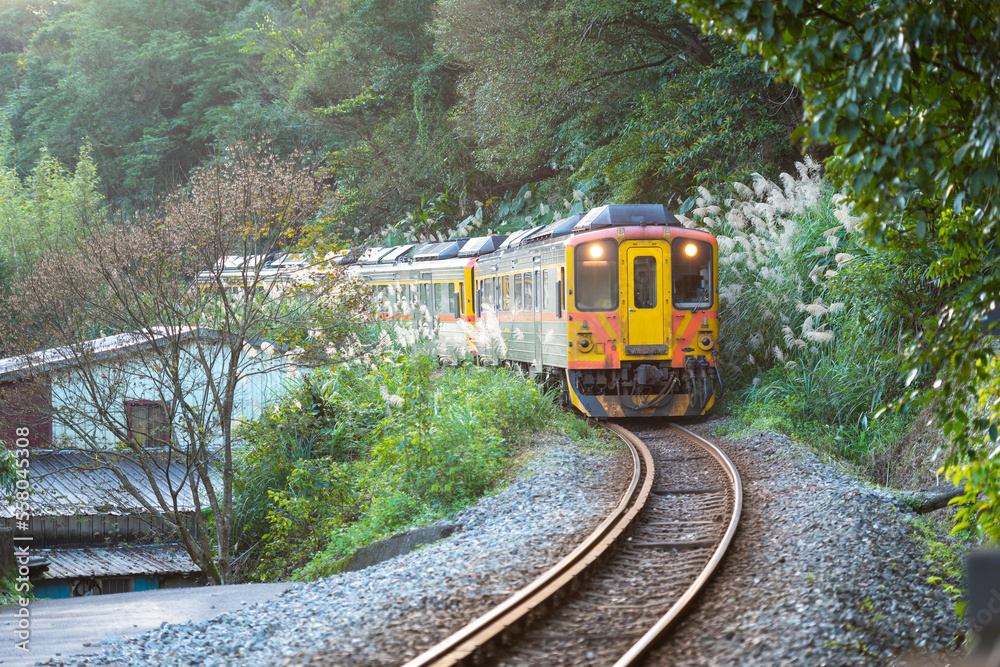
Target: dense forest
436 110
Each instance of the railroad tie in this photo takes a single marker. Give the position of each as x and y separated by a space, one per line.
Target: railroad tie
678 492
680 545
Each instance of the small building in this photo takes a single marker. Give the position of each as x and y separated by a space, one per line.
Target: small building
86 429
95 537
104 571
61 405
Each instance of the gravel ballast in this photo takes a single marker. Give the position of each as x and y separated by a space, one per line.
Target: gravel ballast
390 612
824 570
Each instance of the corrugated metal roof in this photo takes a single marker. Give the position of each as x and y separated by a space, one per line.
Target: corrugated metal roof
109 346
78 483
116 562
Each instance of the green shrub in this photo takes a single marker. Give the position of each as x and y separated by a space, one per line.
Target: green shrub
329 414
353 454
320 496
812 317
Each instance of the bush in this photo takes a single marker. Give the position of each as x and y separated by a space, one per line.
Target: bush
812 316
331 414
320 497
353 454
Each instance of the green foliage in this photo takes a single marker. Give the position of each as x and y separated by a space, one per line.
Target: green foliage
9 594
531 206
904 93
8 471
944 555
980 511
319 497
45 213
328 415
814 314
901 89
704 125
358 452
405 99
151 95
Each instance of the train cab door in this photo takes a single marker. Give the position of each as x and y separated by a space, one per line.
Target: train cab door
645 299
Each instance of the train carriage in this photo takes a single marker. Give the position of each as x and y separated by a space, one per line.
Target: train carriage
619 306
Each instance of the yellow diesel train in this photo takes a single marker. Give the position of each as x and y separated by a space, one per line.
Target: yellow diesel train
618 306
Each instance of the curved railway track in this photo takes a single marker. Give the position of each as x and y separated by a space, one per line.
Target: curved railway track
621 589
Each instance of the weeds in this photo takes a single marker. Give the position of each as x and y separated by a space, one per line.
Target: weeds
944 555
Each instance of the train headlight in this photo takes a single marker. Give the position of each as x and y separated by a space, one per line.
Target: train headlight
596 251
690 250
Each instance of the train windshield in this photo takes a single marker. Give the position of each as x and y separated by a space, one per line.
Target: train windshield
691 263
596 279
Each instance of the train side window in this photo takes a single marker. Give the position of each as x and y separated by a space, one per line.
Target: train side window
426 296
385 299
506 293
545 289
529 292
497 299
440 305
449 305
461 303
644 282
518 293
538 288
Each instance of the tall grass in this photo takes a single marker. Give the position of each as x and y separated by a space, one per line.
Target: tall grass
812 316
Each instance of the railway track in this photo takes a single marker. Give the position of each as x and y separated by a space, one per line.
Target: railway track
611 599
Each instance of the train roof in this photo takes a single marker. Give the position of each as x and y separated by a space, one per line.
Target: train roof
482 245
609 215
558 228
397 254
515 239
443 250
626 215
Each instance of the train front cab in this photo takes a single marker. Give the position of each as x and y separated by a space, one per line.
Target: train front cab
643 321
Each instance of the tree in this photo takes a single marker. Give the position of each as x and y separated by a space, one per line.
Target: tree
199 336
369 72
46 211
905 93
628 92
705 124
150 85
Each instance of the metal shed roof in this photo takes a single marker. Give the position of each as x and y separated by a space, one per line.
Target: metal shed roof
116 562
72 483
124 343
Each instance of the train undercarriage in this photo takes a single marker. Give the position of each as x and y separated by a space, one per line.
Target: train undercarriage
638 388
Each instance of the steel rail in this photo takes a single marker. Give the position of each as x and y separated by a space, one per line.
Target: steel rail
646 642
464 645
